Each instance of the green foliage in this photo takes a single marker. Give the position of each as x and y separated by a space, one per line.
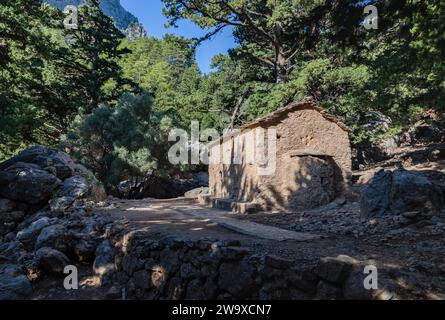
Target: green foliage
164 68
286 51
25 48
119 142
92 57
275 33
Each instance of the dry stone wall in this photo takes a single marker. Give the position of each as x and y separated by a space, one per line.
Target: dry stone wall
171 268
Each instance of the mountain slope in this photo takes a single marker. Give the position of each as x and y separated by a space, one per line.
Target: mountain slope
111 8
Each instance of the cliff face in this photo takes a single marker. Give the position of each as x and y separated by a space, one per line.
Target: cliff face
111 8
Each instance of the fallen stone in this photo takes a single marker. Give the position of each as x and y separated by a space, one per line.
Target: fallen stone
61 204
29 235
56 237
52 261
75 187
195 193
85 249
104 261
335 270
27 183
400 191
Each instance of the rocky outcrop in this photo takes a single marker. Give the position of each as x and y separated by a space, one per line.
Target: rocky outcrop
47 241
41 176
401 191
45 218
27 183
111 8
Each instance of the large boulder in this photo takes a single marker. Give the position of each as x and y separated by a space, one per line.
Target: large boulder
52 160
56 237
39 174
73 188
26 182
401 191
51 260
367 153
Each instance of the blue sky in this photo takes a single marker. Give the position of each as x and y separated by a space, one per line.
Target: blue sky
150 15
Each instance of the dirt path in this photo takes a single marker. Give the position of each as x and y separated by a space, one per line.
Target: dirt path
417 258
191 221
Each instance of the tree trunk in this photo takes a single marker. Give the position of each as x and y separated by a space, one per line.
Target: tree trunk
281 71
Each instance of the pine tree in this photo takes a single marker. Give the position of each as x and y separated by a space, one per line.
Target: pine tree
92 58
24 47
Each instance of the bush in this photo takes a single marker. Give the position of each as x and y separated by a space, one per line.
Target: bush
120 142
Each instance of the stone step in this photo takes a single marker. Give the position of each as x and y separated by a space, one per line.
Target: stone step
232 205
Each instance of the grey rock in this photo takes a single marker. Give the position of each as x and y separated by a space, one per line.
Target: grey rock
111 8
354 289
9 221
51 260
233 253
169 260
176 289
55 236
188 271
130 264
335 270
61 171
195 193
13 216
375 198
142 279
413 190
6 205
202 178
277 262
303 280
426 133
61 204
194 290
11 251
29 235
113 293
35 155
104 261
237 278
85 249
25 183
327 291
75 187
400 191
13 283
